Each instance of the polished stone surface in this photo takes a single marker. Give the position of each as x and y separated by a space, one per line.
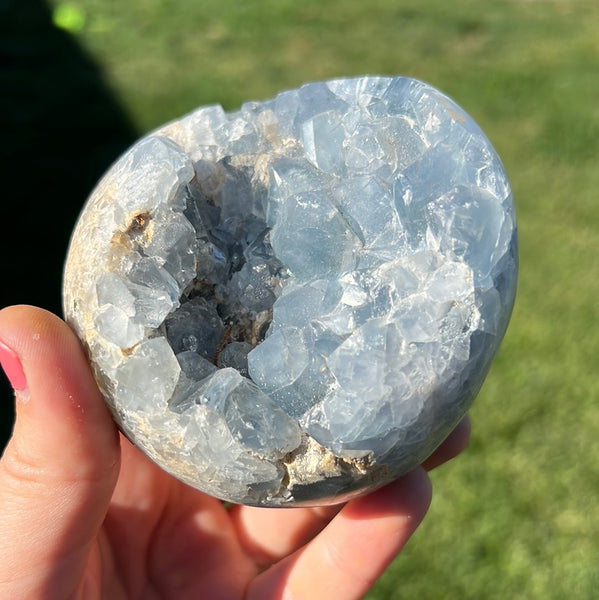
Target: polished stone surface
295 303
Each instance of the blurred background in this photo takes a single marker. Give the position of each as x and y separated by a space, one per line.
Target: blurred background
517 516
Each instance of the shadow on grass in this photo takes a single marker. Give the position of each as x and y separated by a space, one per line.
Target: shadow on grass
61 127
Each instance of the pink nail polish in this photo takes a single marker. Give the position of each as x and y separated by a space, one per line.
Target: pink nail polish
12 367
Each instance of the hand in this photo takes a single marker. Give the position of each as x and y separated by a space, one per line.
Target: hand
84 514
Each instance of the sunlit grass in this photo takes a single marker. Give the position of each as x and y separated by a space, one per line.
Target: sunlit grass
517 516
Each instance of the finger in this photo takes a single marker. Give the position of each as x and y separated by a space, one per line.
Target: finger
59 468
347 557
267 535
454 443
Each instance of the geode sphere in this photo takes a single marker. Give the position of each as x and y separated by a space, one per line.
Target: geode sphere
295 303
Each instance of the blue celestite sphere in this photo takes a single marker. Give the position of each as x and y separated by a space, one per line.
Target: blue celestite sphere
295 303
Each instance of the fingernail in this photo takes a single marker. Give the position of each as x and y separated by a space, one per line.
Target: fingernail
13 368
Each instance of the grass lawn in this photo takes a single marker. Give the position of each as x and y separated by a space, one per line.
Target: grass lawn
517 516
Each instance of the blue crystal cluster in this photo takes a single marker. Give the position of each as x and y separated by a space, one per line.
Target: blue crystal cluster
296 302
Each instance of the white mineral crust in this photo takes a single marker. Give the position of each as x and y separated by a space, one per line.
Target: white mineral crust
295 303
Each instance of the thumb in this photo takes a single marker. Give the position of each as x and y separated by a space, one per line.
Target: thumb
60 467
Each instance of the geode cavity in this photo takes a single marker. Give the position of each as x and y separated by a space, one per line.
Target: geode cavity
295 303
